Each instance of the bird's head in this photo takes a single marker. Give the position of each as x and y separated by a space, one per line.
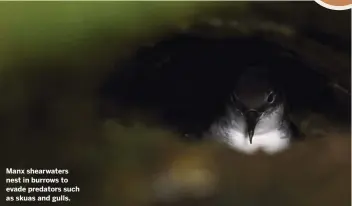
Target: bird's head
256 97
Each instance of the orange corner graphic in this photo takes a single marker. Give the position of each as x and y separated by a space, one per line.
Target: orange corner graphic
335 4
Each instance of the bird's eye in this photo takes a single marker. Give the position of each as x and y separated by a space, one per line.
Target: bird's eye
271 97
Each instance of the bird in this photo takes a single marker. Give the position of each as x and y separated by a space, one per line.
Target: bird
256 116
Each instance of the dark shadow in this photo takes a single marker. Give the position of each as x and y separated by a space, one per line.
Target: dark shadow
188 78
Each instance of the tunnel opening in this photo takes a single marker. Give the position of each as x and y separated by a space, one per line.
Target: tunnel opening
186 79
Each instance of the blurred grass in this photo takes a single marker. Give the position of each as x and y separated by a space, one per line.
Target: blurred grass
316 172
53 56
41 28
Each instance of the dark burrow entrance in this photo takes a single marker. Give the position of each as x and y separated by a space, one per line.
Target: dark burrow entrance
186 80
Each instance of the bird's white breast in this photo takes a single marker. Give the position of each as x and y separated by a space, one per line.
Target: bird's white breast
269 135
270 142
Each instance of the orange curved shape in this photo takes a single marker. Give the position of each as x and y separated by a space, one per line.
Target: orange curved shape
338 2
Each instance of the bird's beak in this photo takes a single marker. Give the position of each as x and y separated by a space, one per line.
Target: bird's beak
252 117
